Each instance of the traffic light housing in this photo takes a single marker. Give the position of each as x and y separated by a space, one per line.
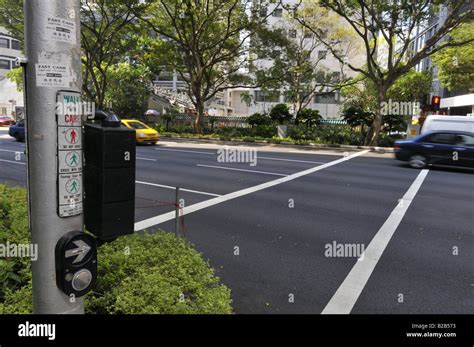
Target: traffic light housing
435 103
109 180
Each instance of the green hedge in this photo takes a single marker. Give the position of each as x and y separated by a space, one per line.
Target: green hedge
140 273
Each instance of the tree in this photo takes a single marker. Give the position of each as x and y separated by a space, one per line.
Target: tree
209 43
129 89
360 104
309 117
298 65
387 29
456 64
11 17
280 113
109 33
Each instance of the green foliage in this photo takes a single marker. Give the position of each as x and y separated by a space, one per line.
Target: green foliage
148 273
155 273
308 117
411 86
16 76
129 89
259 119
355 116
280 114
456 64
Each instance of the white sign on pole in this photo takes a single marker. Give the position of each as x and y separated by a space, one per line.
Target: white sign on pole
53 75
68 112
59 29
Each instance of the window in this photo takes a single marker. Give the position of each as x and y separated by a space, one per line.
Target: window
263 12
322 54
325 98
465 140
446 139
278 12
336 76
261 96
16 45
4 64
308 34
292 33
4 43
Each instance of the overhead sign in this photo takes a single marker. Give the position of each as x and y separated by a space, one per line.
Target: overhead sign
69 154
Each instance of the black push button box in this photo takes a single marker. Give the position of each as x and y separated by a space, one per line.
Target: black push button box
109 180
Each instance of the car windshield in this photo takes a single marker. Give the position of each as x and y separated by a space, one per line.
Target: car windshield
137 125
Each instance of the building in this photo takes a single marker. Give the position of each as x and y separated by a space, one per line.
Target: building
10 50
327 101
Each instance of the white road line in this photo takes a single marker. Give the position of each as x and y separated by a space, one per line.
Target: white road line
10 151
148 223
292 160
13 162
184 151
347 294
147 159
181 189
244 170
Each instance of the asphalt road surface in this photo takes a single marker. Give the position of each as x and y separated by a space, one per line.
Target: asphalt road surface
286 235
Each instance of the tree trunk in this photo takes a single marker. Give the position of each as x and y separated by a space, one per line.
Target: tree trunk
199 117
373 134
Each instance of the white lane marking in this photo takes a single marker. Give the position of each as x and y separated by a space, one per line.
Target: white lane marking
265 158
184 151
292 160
10 151
147 159
244 170
150 222
181 189
348 292
13 162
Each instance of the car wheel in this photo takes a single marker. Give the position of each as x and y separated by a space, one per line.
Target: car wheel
17 137
418 161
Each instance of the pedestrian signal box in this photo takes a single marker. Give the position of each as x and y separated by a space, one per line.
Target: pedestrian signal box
109 179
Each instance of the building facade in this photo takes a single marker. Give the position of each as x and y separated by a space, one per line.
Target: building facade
10 50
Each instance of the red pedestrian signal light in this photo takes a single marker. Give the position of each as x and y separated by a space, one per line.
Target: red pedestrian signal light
435 102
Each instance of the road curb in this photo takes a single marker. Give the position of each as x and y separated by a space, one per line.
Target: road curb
281 144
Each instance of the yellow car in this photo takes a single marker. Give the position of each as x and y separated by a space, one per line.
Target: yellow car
145 134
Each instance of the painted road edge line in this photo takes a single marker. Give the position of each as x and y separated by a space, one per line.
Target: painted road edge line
150 222
181 189
13 162
349 291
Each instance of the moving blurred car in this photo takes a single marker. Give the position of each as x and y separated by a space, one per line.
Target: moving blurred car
18 130
6 121
452 148
145 134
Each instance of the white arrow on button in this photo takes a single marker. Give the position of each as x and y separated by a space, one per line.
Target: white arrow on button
80 252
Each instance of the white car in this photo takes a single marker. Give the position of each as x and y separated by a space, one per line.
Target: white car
449 123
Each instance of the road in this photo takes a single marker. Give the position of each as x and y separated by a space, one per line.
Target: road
269 229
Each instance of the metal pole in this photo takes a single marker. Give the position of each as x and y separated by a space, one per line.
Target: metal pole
176 225
52 41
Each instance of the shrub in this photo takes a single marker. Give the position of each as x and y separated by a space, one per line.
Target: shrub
139 273
280 114
257 119
308 117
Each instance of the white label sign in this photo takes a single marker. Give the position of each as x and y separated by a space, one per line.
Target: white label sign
70 210
70 161
59 29
69 138
70 189
53 75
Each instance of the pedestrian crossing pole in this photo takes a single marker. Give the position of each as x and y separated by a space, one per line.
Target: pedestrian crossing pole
54 146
